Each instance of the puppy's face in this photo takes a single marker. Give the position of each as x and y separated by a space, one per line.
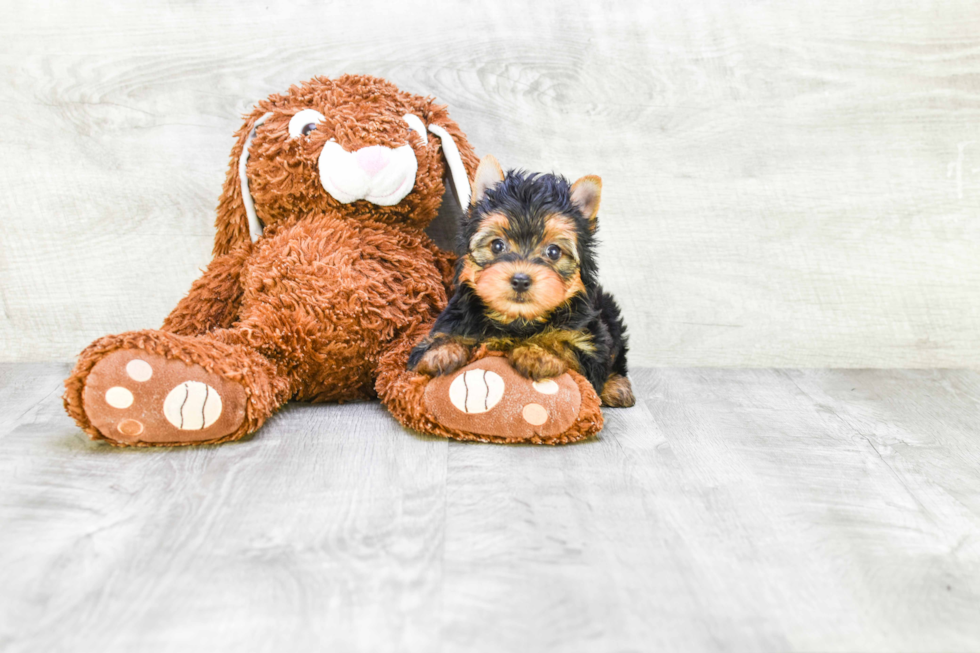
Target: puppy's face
524 266
528 240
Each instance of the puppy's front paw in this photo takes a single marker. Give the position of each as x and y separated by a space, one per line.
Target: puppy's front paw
443 358
536 363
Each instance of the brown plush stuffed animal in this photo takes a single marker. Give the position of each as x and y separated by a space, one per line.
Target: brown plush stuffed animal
322 281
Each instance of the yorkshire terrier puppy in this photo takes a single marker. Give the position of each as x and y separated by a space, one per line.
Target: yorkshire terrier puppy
526 284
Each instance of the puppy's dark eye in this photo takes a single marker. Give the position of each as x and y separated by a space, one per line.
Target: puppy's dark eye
307 128
497 246
553 252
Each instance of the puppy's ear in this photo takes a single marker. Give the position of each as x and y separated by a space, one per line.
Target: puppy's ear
585 196
488 175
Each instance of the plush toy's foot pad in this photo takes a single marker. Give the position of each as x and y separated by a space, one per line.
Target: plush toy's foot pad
488 397
133 396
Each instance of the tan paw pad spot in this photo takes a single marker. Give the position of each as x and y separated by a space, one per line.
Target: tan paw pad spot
119 397
535 414
130 427
546 387
476 391
192 405
139 370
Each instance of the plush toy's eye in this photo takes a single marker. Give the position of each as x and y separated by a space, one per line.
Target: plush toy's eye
415 125
553 252
304 122
497 246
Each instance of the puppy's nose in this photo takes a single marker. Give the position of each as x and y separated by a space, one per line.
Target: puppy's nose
372 159
520 282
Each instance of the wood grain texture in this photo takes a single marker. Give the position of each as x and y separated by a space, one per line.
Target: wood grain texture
784 184
770 510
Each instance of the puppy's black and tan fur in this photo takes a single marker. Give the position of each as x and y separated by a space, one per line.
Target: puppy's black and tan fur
526 284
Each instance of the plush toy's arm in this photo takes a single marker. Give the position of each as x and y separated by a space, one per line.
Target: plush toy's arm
213 299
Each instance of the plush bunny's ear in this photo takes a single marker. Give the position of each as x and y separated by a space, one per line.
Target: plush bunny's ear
454 164
237 222
254 226
457 151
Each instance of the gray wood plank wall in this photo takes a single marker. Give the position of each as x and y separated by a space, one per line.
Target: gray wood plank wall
785 183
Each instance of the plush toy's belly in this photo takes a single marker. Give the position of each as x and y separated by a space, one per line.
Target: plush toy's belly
325 299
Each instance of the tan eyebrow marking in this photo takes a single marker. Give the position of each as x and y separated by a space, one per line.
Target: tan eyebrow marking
560 229
493 224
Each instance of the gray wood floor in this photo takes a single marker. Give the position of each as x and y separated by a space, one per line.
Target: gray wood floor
729 510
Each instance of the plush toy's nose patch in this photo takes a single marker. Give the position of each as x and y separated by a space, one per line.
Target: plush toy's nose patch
381 175
372 159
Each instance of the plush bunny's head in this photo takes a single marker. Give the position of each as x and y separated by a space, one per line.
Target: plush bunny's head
355 146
